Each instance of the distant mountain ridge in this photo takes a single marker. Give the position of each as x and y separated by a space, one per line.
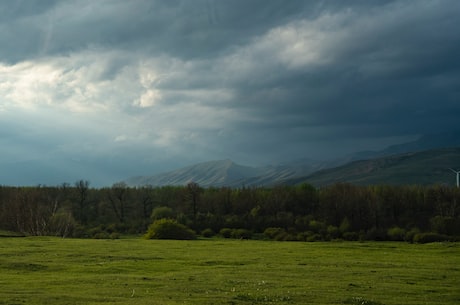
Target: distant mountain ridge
425 167
425 142
227 173
212 173
418 162
422 167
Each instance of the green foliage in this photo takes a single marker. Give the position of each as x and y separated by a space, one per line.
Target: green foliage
241 234
226 232
317 226
345 226
411 234
208 233
169 229
332 232
376 234
162 212
430 237
311 237
272 233
445 225
396 234
4 233
350 236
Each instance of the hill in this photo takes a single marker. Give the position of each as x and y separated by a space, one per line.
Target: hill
228 173
423 167
213 173
424 142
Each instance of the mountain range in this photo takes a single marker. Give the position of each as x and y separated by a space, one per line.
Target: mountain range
424 161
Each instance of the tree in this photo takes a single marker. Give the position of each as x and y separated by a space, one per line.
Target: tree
117 198
194 191
82 187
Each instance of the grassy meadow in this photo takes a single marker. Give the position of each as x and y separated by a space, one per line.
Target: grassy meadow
46 270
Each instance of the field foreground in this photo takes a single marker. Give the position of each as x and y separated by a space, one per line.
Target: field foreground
135 271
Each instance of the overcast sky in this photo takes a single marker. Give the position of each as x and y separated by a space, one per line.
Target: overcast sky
104 90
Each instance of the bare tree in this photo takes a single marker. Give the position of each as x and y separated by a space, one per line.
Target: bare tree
82 187
194 191
117 198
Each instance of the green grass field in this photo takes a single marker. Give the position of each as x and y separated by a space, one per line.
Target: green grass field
136 271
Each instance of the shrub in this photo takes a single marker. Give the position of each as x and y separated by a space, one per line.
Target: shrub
286 236
241 234
376 234
410 234
317 226
332 232
101 235
169 229
314 237
207 233
350 236
445 225
430 237
396 234
114 235
272 233
302 236
226 232
345 226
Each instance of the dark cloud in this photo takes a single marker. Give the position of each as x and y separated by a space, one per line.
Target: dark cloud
183 29
148 83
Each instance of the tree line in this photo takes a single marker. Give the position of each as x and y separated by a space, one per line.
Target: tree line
302 212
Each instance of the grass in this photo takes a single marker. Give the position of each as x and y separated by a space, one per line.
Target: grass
49 270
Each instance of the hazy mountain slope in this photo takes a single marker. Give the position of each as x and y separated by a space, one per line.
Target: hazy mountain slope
426 167
398 164
213 173
425 142
228 173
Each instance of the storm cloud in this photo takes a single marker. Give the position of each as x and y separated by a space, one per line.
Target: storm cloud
110 89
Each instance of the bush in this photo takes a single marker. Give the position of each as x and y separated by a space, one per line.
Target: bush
411 234
101 235
376 234
114 235
314 237
285 236
445 225
169 229
317 226
350 236
207 233
332 232
396 234
430 237
241 234
272 233
226 232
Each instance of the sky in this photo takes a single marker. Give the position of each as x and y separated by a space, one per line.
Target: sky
106 90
